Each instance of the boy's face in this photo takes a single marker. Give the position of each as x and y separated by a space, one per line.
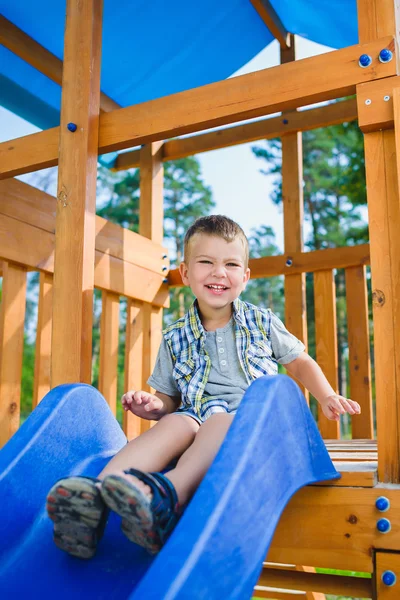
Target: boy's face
216 271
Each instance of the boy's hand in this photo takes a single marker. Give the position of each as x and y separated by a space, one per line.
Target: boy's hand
333 406
142 404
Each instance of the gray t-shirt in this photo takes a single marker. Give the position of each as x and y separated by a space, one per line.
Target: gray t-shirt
227 379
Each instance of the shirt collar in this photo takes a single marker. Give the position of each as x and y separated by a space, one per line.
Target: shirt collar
193 324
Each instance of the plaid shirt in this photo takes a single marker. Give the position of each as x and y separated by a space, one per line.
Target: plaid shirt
192 364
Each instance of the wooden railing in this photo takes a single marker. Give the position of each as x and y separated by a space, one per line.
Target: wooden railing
131 266
126 264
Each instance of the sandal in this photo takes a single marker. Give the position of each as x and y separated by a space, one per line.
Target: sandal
78 512
145 522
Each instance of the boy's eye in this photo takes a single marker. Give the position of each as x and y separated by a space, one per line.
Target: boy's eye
232 264
208 262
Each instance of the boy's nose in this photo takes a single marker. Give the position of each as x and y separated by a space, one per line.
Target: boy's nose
219 271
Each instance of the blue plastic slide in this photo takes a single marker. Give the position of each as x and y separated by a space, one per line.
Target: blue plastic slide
272 449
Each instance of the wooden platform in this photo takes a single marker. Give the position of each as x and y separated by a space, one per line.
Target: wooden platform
356 460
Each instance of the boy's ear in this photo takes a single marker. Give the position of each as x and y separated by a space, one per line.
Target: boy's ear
183 271
246 276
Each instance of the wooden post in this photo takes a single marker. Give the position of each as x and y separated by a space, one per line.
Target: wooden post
151 226
41 384
109 338
293 215
76 198
12 317
133 362
378 18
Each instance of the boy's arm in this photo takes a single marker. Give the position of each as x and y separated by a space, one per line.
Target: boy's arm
149 406
309 373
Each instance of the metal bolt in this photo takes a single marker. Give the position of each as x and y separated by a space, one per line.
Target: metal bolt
364 61
383 525
72 127
368 101
388 578
385 55
289 262
382 503
386 98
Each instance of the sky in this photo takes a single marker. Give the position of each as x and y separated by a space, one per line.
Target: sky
239 189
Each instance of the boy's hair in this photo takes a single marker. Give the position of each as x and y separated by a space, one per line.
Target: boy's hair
219 226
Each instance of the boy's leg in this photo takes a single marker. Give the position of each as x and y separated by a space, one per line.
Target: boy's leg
154 449
195 462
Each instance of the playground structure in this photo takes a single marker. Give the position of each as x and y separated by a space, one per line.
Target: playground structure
338 524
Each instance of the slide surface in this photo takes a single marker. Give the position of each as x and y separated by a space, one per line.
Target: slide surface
272 449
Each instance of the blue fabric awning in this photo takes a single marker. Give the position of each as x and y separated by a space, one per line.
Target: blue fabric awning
152 49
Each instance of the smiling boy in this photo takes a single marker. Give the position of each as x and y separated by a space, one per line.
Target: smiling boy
206 361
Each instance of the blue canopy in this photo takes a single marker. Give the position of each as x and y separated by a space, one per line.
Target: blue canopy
152 49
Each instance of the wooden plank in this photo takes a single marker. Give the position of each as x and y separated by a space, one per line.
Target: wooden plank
302 262
34 247
362 426
363 475
109 339
285 87
151 225
347 538
386 561
272 20
133 375
37 56
293 215
41 383
384 223
354 456
376 19
317 582
30 205
71 359
375 104
12 317
266 129
277 594
326 341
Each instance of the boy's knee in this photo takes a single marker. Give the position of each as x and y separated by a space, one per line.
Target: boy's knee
178 420
223 419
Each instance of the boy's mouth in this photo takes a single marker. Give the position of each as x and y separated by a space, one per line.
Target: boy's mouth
216 288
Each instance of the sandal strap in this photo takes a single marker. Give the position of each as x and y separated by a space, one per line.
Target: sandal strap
164 504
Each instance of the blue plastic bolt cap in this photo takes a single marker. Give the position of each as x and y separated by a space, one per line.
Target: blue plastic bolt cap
382 503
72 127
385 55
384 525
365 60
389 578
285 121
289 262
165 280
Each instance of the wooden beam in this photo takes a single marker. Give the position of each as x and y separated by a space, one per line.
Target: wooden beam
134 356
272 21
302 262
326 342
41 383
34 207
151 225
386 561
348 539
71 359
316 582
362 426
375 104
285 87
109 342
377 17
266 129
37 56
12 317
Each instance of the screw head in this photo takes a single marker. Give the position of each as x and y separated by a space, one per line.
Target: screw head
386 98
164 256
388 578
383 525
72 127
164 269
385 55
368 101
364 61
165 280
382 503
